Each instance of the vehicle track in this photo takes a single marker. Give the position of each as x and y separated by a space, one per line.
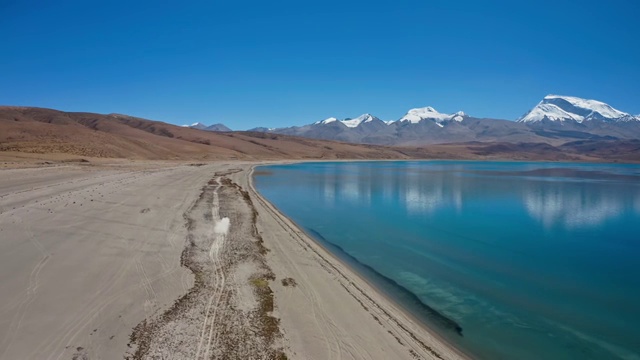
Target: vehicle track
208 322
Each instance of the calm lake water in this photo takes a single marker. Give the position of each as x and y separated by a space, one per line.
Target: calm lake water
505 260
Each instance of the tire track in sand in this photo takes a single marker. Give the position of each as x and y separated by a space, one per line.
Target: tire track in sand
221 227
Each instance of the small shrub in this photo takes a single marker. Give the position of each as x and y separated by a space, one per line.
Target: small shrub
289 282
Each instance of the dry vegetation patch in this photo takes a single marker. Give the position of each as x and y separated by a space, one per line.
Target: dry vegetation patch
289 282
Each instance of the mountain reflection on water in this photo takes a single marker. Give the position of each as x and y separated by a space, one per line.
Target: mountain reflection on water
556 196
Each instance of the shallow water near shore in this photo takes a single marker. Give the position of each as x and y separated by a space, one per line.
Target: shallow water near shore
506 260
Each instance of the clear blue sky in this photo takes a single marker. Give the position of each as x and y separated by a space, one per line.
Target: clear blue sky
277 63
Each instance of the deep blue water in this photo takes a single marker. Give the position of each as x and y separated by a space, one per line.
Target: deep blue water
506 260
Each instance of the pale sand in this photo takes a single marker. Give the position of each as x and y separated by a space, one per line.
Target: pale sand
89 252
86 254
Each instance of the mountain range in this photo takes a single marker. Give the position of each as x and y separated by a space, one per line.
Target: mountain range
52 135
555 120
557 128
214 127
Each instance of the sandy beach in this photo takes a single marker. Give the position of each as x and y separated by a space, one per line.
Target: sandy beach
147 260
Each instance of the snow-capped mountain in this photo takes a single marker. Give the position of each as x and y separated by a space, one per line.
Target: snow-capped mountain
419 125
214 127
413 116
416 115
569 108
555 120
198 125
364 118
326 121
350 123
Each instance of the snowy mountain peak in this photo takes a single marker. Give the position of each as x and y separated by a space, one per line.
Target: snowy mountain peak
197 125
326 121
364 118
416 115
351 123
214 127
570 108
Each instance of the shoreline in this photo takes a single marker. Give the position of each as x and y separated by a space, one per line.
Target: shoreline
397 313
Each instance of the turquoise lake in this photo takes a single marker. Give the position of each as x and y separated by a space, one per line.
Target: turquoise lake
506 260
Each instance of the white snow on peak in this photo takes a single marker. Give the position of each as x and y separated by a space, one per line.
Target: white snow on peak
364 118
551 112
414 116
596 106
352 123
326 121
368 118
197 125
563 108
